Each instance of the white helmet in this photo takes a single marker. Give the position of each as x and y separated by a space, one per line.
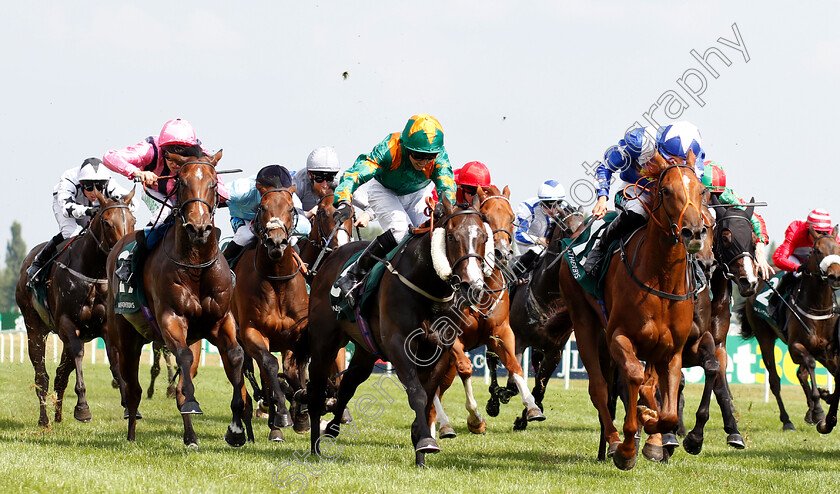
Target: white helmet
323 159
93 170
551 190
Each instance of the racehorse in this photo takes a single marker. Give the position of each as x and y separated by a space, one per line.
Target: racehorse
159 351
484 319
325 235
539 317
409 321
271 306
647 308
75 293
188 285
812 322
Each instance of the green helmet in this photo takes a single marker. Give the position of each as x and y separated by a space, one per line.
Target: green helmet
423 134
714 177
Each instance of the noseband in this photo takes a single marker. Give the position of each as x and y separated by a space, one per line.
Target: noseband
736 251
100 238
262 230
675 227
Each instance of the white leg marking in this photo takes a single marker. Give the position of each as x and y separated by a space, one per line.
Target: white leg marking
527 397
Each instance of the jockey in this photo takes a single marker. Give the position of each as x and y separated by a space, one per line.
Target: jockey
146 161
533 221
627 158
714 178
406 167
244 200
75 203
468 178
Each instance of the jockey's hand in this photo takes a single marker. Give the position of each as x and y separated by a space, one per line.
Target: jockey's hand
600 208
765 270
342 213
801 268
77 211
312 212
148 178
91 211
362 220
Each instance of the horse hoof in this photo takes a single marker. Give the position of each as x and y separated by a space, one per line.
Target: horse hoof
82 414
736 441
535 415
669 439
824 427
191 407
426 445
282 419
192 446
505 398
447 432
263 409
624 463
788 426
276 435
258 413
301 424
115 384
612 449
520 424
809 418
692 444
492 407
235 439
137 415
346 418
653 452
479 428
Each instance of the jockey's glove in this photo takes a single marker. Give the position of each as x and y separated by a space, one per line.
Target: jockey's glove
78 211
342 213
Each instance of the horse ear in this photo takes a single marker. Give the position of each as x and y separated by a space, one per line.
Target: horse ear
506 192
835 231
293 189
99 197
476 200
447 206
216 157
751 209
481 192
690 158
126 199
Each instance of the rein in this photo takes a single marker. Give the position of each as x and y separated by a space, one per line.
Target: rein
670 296
100 239
325 245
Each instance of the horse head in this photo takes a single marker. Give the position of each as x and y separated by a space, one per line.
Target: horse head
460 241
678 196
496 207
734 248
275 219
113 221
324 224
197 194
824 261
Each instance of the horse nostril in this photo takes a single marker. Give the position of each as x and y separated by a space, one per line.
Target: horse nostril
686 233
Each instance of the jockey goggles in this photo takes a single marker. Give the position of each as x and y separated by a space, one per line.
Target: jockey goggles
418 156
320 177
98 184
469 189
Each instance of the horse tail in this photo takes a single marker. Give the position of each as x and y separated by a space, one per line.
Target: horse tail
747 332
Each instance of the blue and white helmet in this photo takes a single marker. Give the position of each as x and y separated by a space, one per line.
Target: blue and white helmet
551 190
676 139
640 144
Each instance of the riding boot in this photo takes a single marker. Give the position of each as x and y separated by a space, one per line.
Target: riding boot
354 274
136 258
33 271
523 265
775 301
232 253
624 223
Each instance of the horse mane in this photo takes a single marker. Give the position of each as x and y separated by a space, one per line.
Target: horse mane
654 168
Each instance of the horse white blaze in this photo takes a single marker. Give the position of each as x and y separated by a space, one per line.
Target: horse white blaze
473 268
749 268
527 397
341 237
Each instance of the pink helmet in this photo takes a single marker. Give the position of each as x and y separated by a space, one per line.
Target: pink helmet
177 131
820 220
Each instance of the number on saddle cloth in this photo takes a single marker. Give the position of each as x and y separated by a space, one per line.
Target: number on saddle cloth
128 300
768 306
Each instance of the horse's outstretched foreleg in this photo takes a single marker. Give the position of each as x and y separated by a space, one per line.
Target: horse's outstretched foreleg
693 442
621 349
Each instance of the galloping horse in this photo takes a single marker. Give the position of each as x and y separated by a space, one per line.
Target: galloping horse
539 317
325 235
271 306
76 292
484 320
647 307
188 286
812 332
409 322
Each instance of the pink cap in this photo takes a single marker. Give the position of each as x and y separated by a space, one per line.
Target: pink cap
820 220
177 131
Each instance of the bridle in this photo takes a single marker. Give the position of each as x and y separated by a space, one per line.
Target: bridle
674 228
736 250
100 237
325 238
259 226
177 189
499 230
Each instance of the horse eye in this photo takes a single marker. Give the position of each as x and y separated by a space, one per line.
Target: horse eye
666 191
450 237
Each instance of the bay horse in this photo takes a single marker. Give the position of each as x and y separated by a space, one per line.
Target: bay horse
76 292
188 285
325 236
271 306
160 352
409 322
812 334
539 317
647 308
484 320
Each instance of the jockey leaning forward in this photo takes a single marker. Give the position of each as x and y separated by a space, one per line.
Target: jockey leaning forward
800 235
534 222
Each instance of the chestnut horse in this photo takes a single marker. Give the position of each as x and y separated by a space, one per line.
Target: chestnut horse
76 293
188 285
409 321
812 334
647 308
484 320
271 306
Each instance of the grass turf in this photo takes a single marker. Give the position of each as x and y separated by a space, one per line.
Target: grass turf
557 455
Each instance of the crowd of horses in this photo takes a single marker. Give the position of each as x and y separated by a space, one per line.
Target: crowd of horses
656 315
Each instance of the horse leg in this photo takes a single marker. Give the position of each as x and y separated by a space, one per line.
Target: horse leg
113 362
503 344
296 376
156 353
830 421
767 345
232 356
693 442
649 404
359 370
129 347
438 415
187 359
248 370
621 349
463 366
62 376
492 407
680 407
37 351
170 373
592 351
807 369
431 380
76 351
724 398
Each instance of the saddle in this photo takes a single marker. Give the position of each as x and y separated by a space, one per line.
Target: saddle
770 306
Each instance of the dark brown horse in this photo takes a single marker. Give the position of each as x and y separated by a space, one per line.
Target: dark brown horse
647 308
325 235
271 306
539 317
187 283
811 332
160 352
484 320
410 320
76 293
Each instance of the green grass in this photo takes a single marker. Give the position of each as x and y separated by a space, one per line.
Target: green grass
557 455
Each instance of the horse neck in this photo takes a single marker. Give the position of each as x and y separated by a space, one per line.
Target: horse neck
281 267
185 251
659 257
85 256
814 293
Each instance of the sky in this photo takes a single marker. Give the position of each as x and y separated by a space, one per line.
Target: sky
534 89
